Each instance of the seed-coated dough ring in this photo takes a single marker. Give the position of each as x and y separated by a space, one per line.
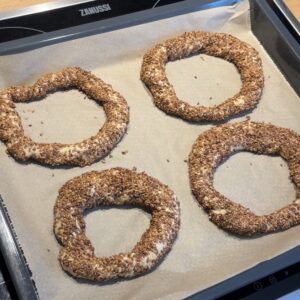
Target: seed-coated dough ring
215 145
221 45
114 187
83 153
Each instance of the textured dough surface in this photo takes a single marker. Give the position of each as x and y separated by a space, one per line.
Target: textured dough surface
243 56
114 187
83 153
217 144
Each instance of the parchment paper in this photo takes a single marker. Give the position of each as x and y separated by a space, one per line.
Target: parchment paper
203 255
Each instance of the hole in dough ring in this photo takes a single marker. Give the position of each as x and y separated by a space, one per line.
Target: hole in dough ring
83 153
222 45
217 144
114 187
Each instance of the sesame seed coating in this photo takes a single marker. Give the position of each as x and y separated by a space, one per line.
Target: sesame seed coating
118 187
217 144
83 153
226 46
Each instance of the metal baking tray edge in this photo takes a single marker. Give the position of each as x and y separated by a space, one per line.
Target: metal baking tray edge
15 261
261 13
278 41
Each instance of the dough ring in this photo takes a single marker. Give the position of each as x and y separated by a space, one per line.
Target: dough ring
83 153
222 45
114 187
215 145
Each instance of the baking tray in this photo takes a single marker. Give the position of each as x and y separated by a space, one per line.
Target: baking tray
277 41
